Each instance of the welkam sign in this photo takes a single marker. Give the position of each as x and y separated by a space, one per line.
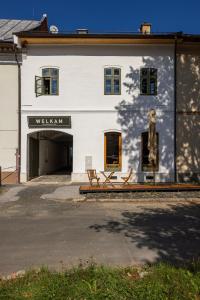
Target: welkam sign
49 122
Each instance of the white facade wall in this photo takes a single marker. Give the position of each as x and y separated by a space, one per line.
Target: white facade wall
81 96
8 116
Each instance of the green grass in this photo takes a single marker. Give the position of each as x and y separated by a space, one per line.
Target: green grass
161 282
2 190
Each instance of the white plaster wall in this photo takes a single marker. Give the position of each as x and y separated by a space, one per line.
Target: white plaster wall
81 95
8 116
81 71
88 140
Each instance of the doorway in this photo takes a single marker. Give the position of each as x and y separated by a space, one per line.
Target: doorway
50 155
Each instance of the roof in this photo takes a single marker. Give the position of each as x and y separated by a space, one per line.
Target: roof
8 27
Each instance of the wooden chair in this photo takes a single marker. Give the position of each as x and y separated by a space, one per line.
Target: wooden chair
92 175
126 179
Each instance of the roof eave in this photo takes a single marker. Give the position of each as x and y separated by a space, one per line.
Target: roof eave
101 39
44 34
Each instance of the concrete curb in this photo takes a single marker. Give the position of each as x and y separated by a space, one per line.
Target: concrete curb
29 183
143 200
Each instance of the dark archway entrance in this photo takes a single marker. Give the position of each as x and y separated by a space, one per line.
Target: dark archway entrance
49 152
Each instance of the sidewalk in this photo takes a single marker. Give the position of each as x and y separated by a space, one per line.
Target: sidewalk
70 192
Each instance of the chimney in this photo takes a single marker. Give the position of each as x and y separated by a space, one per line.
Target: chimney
43 23
82 31
145 28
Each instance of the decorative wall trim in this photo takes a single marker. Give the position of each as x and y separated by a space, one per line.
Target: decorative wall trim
86 111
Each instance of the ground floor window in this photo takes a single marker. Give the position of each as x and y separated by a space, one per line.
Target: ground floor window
146 165
112 151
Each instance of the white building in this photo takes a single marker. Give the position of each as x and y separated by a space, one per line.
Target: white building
85 100
10 64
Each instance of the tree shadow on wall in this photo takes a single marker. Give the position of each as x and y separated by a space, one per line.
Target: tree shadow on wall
188 118
173 233
133 119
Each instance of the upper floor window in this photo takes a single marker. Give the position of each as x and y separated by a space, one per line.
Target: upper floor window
112 81
148 81
48 83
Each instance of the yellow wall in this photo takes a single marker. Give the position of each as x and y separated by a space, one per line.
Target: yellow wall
188 114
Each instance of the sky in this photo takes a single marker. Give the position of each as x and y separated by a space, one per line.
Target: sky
109 15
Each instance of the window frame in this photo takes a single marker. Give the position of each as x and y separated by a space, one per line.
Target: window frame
149 167
106 166
148 77
112 77
39 82
51 77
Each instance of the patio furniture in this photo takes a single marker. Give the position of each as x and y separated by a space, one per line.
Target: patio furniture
127 178
92 175
107 177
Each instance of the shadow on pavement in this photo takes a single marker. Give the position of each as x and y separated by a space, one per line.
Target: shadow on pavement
174 233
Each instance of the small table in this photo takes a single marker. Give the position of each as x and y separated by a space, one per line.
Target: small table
107 177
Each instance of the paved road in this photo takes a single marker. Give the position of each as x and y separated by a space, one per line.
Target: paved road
38 226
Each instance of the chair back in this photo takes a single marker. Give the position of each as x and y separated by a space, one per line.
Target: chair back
92 174
130 173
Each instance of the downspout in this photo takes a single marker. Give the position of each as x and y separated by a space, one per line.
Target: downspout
19 114
175 107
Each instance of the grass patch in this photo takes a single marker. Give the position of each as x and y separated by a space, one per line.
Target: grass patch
3 189
160 282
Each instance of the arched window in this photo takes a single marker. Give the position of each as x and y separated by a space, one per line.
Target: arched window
112 151
146 165
49 82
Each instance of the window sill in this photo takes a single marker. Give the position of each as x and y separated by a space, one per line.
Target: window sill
148 94
112 169
112 94
47 95
149 170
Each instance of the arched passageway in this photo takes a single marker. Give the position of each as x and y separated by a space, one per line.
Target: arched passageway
49 152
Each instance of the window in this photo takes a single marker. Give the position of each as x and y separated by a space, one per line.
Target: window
148 81
48 83
146 165
112 81
112 151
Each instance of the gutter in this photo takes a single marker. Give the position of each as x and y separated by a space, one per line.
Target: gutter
19 115
175 107
46 34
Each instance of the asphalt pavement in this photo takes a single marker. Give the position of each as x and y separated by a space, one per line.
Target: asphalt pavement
53 226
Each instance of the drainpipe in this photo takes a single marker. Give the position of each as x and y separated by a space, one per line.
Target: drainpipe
19 114
175 106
